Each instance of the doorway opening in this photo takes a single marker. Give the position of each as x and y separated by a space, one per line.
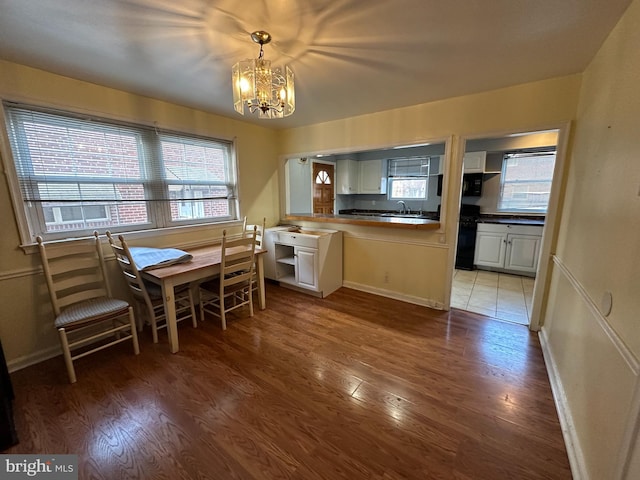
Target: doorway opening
506 188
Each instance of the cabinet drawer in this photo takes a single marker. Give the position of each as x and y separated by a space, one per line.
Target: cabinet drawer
297 239
510 228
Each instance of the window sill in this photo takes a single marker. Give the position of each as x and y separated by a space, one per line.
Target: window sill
165 233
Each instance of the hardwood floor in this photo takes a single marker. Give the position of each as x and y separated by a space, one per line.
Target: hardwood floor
353 386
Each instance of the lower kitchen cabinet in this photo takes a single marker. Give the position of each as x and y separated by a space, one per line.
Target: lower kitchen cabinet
309 260
513 248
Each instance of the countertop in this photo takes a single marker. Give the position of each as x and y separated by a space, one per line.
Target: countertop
511 220
367 220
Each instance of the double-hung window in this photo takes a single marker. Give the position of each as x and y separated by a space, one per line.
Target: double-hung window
525 182
408 178
78 174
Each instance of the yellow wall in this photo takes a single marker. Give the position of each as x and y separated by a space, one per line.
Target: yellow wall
596 357
26 323
593 359
372 256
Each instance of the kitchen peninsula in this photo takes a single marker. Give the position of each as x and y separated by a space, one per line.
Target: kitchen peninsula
412 223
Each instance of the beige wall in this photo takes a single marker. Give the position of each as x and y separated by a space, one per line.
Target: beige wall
595 357
26 323
371 256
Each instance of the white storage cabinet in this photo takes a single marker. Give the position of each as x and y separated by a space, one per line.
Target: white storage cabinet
513 248
309 260
474 162
365 176
347 175
372 177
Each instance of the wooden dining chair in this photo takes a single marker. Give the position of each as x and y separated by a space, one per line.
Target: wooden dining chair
85 312
259 232
149 294
232 289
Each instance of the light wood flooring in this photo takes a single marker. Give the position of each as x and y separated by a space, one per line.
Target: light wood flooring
354 386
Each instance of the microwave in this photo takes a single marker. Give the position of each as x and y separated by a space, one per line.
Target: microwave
472 185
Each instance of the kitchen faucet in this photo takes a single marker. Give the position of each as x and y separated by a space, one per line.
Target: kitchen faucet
404 208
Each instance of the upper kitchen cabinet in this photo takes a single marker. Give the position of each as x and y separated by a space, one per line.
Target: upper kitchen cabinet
347 176
364 176
474 162
372 177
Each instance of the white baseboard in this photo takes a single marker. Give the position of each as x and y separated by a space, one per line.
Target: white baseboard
425 302
33 358
574 452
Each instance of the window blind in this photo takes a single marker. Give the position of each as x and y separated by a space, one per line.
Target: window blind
76 173
409 167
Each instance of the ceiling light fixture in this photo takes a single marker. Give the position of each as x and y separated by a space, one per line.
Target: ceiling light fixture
261 89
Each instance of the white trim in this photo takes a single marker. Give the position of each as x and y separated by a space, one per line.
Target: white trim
8 166
624 351
23 272
394 295
574 452
631 436
550 232
33 358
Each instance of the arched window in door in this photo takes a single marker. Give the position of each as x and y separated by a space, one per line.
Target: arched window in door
323 178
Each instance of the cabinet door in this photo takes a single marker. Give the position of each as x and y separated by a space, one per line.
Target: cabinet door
372 179
347 176
474 162
522 252
307 267
490 249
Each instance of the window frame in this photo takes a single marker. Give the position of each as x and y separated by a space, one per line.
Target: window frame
422 177
518 155
31 222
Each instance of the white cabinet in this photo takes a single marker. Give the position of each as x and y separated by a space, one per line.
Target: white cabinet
490 248
309 260
347 174
372 177
508 247
365 176
474 162
306 267
440 169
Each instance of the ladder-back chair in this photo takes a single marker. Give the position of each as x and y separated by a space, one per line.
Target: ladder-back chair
259 232
232 289
85 312
149 294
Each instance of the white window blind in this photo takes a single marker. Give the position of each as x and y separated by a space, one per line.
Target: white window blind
78 174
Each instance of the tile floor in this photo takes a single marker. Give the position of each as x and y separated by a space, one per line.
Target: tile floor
499 295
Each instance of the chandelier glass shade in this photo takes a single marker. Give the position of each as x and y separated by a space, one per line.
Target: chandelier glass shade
260 88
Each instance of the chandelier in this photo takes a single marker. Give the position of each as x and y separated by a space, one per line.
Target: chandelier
260 88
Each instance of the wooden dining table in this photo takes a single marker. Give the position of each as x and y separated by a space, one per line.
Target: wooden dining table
204 265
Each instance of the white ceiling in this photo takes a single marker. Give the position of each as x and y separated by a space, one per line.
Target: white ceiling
350 57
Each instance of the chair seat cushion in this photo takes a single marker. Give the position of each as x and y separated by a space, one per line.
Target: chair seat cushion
93 310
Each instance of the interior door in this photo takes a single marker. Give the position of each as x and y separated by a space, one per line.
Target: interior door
323 187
